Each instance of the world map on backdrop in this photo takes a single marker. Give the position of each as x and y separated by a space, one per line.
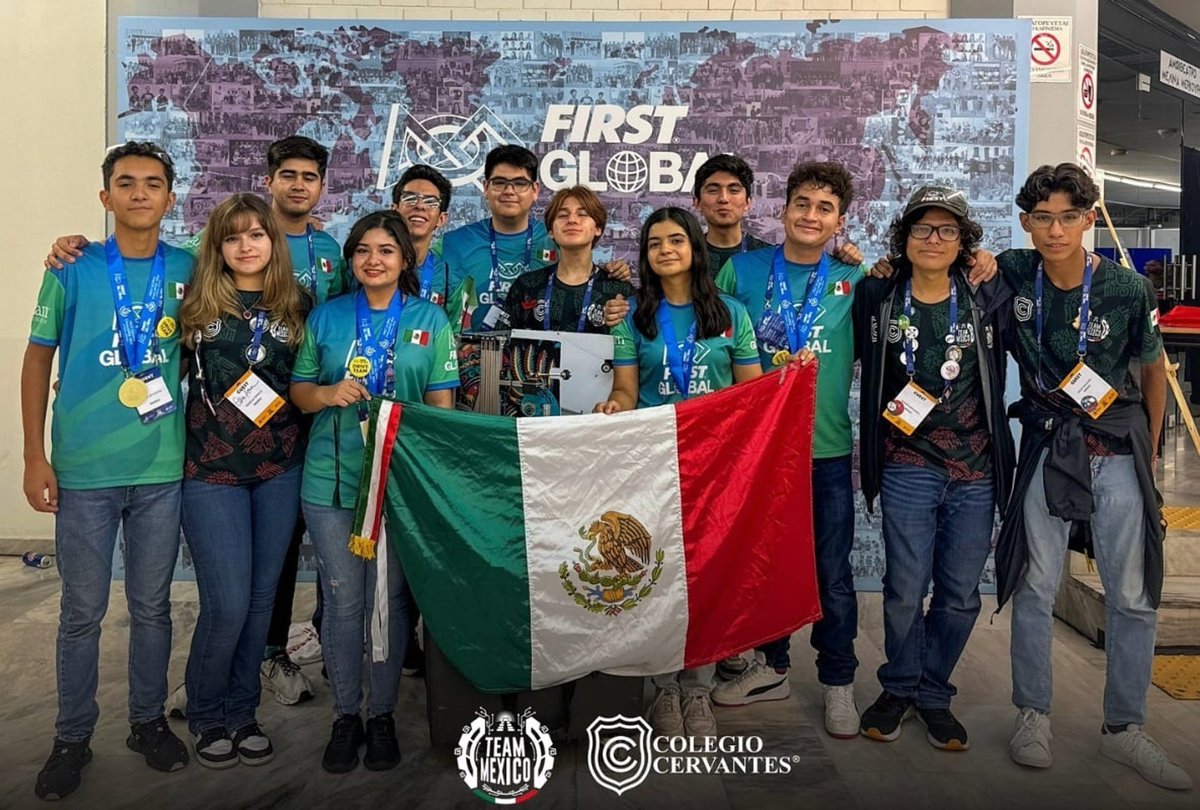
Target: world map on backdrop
629 112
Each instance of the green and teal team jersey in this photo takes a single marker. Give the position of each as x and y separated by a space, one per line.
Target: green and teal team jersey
96 441
832 337
425 361
715 356
325 277
1122 332
468 252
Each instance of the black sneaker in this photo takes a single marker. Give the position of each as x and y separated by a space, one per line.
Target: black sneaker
253 747
943 730
341 755
158 744
414 660
59 777
383 751
885 717
215 749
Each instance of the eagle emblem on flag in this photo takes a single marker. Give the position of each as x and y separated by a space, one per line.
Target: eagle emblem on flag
617 543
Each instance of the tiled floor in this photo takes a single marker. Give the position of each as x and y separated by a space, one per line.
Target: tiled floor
827 773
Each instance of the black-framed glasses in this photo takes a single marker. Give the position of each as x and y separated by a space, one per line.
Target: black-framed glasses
1043 220
414 200
947 233
517 184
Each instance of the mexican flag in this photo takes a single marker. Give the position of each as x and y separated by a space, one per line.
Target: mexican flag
541 550
418 336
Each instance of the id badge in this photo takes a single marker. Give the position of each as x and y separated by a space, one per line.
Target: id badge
158 397
909 408
1089 390
254 398
492 317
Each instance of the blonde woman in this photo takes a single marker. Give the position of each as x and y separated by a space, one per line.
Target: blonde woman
243 319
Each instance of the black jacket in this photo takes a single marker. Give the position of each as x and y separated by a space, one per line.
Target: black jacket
874 301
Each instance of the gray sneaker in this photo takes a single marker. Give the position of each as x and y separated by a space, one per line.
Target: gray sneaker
1135 748
698 720
1030 744
282 676
666 712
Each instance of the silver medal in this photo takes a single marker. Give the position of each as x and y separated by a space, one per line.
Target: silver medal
256 354
950 370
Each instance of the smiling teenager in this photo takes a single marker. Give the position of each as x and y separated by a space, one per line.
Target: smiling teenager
243 318
422 197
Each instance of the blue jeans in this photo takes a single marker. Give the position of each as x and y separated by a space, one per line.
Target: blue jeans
238 536
348 585
935 529
833 534
85 534
1117 533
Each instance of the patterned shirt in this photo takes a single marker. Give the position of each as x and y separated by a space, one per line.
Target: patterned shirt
526 302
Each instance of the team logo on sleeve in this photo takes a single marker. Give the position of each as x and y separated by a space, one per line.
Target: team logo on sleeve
840 288
326 265
612 567
549 255
178 290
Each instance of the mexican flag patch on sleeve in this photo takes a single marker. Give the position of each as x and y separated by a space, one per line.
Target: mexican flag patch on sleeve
840 288
549 255
417 336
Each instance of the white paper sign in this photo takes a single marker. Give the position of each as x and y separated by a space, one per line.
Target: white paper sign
1050 49
1174 72
1085 95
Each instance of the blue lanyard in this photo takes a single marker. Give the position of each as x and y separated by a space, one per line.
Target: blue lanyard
258 324
135 332
587 301
312 258
745 243
679 361
427 277
798 329
494 278
951 331
1085 307
378 348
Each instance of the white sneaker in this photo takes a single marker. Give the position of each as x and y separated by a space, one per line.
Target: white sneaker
731 667
757 682
666 714
303 646
177 703
1030 744
841 713
698 718
1135 748
282 676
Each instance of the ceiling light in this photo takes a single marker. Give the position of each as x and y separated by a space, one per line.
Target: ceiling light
1141 182
1119 151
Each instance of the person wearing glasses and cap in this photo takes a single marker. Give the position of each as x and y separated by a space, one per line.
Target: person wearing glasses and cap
1084 332
935 449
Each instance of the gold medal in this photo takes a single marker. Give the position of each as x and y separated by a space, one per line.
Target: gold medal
781 357
359 367
133 392
166 327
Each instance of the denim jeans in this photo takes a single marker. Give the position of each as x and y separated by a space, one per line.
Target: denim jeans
833 535
698 680
1118 536
85 534
935 529
348 585
238 536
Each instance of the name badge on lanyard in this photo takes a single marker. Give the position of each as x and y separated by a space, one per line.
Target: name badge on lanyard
680 361
494 313
143 389
913 404
1084 386
251 394
583 311
796 328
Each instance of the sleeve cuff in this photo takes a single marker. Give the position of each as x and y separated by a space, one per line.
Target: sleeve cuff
41 341
443 385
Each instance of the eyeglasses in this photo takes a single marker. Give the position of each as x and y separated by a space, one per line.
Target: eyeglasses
947 233
413 200
1044 219
517 184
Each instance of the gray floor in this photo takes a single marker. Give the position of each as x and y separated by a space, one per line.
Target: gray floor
828 773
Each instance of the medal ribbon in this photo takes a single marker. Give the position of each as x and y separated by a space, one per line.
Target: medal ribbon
494 278
951 334
258 323
427 268
798 328
377 347
679 361
1085 312
312 258
135 333
587 301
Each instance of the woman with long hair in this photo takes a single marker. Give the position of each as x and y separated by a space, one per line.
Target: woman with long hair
384 340
243 320
935 448
681 339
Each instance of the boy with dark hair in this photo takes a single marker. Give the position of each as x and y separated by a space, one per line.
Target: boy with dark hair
117 456
722 195
1085 336
422 197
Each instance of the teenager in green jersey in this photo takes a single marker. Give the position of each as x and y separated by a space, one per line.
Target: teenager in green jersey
383 340
117 455
422 197
682 339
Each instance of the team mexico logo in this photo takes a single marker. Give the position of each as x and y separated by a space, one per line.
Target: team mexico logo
505 759
619 752
624 547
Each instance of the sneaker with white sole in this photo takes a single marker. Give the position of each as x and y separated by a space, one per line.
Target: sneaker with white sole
841 713
214 749
698 720
757 682
1135 748
1030 744
177 703
303 647
282 676
666 712
731 667
252 746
